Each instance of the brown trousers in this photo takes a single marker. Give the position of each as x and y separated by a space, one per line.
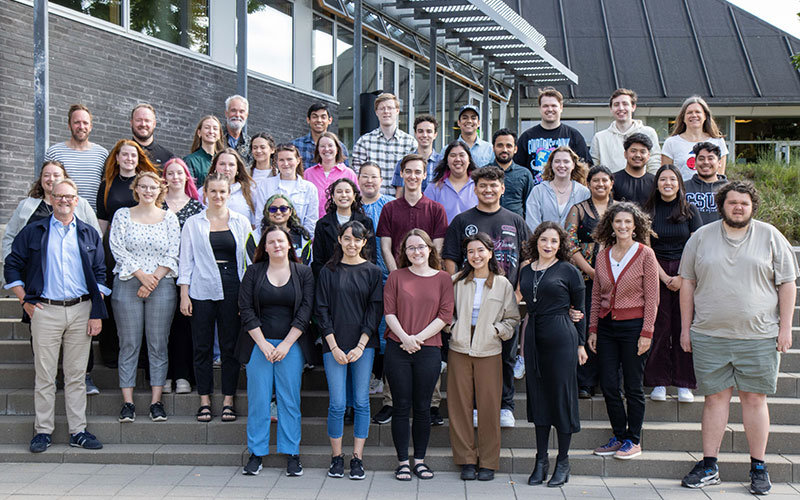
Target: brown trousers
480 380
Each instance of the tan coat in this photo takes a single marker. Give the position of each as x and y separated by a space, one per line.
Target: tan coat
497 317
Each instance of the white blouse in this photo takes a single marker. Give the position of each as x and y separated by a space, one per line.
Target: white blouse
236 202
302 193
144 246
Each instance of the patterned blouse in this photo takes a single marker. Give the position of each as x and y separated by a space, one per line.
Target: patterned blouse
580 224
144 246
190 208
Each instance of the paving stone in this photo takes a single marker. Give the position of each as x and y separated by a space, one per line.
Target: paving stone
212 454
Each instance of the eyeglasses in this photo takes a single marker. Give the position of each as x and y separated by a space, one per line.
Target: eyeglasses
65 197
282 208
420 248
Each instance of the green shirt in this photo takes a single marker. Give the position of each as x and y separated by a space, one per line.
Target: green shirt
198 162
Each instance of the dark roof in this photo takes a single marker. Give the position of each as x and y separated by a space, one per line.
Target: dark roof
667 50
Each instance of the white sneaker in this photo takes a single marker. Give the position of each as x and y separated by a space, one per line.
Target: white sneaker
475 418
506 418
182 386
519 367
167 386
659 393
376 386
685 395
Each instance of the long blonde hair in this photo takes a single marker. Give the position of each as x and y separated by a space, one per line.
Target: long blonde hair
710 127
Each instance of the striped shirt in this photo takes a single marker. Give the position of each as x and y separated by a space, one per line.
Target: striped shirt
84 167
374 146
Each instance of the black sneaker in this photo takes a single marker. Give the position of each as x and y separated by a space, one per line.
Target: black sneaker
127 413
357 469
293 466
157 413
40 442
384 416
701 476
337 467
436 417
349 415
253 466
85 440
759 479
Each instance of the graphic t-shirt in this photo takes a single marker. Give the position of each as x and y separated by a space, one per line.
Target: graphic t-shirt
535 145
680 151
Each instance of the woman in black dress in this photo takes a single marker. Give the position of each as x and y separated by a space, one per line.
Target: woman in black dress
554 347
581 221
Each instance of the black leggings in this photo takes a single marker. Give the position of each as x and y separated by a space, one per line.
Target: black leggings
412 378
543 437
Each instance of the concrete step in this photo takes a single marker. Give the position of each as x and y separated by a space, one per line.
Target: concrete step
13 329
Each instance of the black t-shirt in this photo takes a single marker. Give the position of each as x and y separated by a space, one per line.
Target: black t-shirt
120 195
42 211
672 236
535 145
158 154
507 230
634 189
277 309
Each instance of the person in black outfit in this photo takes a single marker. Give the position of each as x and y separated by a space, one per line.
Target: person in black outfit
275 303
674 220
581 221
554 346
634 183
143 124
344 205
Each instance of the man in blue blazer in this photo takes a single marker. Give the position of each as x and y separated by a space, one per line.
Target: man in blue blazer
56 270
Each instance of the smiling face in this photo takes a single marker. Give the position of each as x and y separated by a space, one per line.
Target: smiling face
694 117
623 226
369 181
458 162
637 156
217 193
226 165
80 125
706 164
351 246
209 131
236 114
148 190
478 255
128 160
550 110
176 177
548 244
489 193
279 212
622 108
65 199
277 245
468 122
143 123
261 150
425 133
51 174
562 165
319 121
343 195
327 150
504 148
287 164
600 185
667 185
413 174
417 251
737 210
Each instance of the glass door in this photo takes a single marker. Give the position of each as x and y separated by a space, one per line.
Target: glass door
397 76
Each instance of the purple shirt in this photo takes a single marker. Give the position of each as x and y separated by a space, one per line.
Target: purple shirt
316 176
454 202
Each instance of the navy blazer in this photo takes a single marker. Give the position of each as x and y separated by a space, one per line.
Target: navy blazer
28 257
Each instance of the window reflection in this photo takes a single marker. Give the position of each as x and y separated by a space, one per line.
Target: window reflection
182 22
270 38
344 78
322 55
107 10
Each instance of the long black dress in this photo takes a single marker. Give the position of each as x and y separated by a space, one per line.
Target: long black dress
551 345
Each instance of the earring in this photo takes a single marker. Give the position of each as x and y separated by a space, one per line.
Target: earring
634 234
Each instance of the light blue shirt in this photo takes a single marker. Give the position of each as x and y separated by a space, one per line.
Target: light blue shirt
373 211
63 274
482 151
454 202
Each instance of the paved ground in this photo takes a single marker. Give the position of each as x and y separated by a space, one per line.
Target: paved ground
165 481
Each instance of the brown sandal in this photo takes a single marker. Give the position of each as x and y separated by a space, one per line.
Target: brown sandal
228 414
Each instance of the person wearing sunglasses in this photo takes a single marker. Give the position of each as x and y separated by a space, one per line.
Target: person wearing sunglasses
279 211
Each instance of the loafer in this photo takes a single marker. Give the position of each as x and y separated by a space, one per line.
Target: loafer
485 474
469 472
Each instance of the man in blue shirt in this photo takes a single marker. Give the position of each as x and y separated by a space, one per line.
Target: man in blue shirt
426 129
319 118
518 179
469 121
56 270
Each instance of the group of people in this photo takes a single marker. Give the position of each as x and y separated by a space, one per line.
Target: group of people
404 264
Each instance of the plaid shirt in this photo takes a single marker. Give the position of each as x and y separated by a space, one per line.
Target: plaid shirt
306 145
386 153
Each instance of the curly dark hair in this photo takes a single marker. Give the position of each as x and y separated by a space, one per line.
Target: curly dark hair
360 232
744 187
443 168
433 258
487 242
682 211
530 249
604 232
356 206
293 224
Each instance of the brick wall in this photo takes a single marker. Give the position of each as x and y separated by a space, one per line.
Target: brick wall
110 74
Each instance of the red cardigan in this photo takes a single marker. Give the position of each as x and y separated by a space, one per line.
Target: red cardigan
635 293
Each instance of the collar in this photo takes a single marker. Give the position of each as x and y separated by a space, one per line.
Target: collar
56 224
489 280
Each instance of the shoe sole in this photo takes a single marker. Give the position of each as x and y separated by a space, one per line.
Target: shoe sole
754 492
158 419
124 420
381 422
702 484
627 457
92 392
76 445
658 399
246 472
333 474
604 453
294 474
357 478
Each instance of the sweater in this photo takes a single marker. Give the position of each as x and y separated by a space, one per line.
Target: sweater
608 146
635 294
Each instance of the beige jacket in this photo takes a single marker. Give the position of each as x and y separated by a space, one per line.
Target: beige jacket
497 317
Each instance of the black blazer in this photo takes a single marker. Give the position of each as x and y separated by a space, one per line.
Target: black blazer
250 310
326 234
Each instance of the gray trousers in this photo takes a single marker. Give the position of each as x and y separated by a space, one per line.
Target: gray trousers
151 316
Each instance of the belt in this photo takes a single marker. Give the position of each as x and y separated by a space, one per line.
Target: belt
68 302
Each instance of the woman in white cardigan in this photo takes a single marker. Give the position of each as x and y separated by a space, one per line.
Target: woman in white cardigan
289 181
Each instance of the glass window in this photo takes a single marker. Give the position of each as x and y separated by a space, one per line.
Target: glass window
401 35
404 94
322 55
344 79
107 10
182 22
462 68
270 54
368 18
495 119
422 86
442 59
456 96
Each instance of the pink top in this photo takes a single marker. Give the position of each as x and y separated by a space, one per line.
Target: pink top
316 176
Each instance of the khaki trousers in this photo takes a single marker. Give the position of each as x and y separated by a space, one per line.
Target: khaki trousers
52 327
480 380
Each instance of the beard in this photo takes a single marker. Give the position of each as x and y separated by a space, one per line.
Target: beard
735 224
235 123
140 137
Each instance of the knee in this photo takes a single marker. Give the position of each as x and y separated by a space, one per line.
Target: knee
752 399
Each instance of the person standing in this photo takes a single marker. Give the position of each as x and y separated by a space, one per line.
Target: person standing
469 122
319 118
418 303
82 159
64 301
237 109
243 194
693 124
426 129
486 314
451 185
554 346
624 308
634 183
276 302
206 143
736 320
564 185
517 179
262 148
143 125
674 221
608 145
702 187
144 240
279 211
328 167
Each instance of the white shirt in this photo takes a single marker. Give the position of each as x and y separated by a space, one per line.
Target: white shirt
198 267
302 193
617 267
144 246
476 301
236 202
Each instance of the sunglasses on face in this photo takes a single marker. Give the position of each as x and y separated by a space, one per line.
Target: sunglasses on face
283 209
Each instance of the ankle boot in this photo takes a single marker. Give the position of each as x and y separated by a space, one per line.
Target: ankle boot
560 475
539 473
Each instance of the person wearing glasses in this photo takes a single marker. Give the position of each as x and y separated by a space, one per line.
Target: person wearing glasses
279 211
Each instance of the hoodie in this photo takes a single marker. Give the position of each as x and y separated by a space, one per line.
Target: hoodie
701 193
607 147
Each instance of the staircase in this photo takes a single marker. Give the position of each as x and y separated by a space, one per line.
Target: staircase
671 436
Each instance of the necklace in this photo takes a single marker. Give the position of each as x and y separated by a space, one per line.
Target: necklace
537 278
560 191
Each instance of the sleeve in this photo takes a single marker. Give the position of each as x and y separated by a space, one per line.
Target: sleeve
118 243
654 163
723 147
667 150
439 221
580 147
312 211
431 192
17 260
390 294
303 314
447 299
99 265
346 155
350 174
600 275
397 180
510 319
250 247
359 154
247 312
384 228
650 282
595 150
374 309
521 157
14 226
577 299
186 255
451 249
372 243
318 250
784 262
696 222
573 218
533 212
49 154
102 214
170 258
322 307
87 215
686 269
526 191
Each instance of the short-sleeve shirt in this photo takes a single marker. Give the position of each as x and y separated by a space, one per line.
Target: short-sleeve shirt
680 151
373 211
84 167
398 218
418 300
736 294
507 230
454 201
634 189
535 145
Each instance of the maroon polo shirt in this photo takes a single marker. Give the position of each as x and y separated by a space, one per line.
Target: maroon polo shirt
398 218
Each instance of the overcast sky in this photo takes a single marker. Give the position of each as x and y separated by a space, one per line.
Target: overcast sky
781 13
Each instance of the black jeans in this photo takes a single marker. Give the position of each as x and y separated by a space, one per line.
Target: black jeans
617 344
412 378
181 352
589 372
509 358
225 315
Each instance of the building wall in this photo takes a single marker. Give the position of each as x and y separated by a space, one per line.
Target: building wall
110 74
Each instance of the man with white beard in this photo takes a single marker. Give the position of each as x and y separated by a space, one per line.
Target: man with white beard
236 111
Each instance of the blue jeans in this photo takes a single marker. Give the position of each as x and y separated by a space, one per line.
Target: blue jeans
337 377
285 377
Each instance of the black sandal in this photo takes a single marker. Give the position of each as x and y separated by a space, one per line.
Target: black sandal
403 473
421 469
228 414
204 414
